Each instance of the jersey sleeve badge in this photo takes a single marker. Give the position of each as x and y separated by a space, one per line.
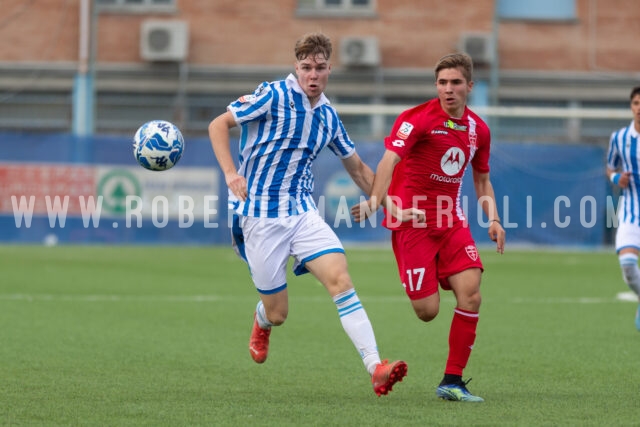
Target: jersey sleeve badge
246 98
405 130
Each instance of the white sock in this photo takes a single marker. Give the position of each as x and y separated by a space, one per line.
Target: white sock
261 316
630 271
358 327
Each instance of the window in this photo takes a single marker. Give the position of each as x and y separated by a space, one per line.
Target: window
539 10
137 5
333 8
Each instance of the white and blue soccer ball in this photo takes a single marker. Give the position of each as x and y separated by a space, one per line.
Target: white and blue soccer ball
158 145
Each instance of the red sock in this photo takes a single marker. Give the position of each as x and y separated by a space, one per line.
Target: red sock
461 338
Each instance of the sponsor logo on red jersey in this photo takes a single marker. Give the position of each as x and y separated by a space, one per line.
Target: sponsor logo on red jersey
452 161
453 125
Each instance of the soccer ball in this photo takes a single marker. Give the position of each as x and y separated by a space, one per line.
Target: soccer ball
158 145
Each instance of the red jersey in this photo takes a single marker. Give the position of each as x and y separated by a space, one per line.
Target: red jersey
435 150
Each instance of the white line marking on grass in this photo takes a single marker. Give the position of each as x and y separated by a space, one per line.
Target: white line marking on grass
621 297
113 298
627 296
576 300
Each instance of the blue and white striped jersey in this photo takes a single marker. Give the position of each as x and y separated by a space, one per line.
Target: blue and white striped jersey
624 154
281 135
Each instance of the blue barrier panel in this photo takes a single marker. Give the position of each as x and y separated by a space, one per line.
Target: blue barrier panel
547 194
110 156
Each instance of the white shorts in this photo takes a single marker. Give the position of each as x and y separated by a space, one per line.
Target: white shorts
267 243
627 236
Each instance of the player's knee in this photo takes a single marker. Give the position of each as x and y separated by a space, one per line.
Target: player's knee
427 308
340 282
277 314
277 317
426 315
474 300
426 312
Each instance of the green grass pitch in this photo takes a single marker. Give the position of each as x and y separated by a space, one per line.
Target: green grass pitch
135 335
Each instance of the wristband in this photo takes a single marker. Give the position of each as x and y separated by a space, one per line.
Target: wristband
615 178
495 220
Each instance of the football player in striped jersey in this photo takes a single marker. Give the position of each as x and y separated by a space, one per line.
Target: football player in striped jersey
623 170
284 125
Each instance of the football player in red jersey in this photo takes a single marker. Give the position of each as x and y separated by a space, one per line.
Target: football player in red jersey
419 181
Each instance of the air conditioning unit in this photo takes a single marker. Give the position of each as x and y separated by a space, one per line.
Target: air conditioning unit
479 46
359 52
162 40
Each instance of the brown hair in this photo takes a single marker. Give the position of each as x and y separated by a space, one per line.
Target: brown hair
635 91
456 60
313 44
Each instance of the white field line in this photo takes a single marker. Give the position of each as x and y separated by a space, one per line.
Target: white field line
621 297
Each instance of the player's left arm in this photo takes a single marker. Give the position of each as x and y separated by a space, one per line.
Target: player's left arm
621 179
487 198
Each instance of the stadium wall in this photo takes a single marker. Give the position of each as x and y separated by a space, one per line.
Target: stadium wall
547 194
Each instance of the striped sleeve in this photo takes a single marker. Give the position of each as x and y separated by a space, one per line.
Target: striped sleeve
254 106
341 145
613 156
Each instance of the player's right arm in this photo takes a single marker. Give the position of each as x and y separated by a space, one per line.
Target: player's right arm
220 141
614 161
381 183
378 196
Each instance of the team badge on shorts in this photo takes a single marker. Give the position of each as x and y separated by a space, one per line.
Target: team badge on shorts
472 252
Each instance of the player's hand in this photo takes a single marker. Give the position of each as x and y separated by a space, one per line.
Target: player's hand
415 215
361 211
625 177
238 185
497 234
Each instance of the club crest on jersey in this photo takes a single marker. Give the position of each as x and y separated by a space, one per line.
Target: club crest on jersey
473 140
405 130
453 125
472 252
246 98
452 161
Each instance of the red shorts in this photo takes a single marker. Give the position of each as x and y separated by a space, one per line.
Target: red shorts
427 257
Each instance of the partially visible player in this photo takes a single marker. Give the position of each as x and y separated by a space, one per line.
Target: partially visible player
284 125
427 153
623 170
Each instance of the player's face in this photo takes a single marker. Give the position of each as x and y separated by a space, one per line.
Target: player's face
453 89
635 108
313 75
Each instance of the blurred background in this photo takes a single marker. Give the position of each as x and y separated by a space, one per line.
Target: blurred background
78 77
